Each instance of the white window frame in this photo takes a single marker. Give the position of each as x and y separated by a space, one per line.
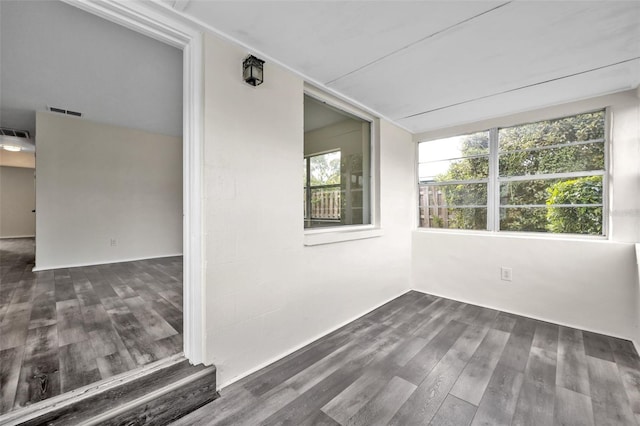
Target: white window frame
342 233
494 180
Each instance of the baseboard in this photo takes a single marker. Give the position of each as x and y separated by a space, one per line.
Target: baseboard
302 345
17 236
105 262
579 327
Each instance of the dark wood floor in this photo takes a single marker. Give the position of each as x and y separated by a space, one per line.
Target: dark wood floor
67 328
422 360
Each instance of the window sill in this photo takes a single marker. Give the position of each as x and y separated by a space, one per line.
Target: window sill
512 234
338 235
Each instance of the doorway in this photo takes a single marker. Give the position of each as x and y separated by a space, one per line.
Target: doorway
76 277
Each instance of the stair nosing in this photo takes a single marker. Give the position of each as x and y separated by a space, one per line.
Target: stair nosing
123 408
33 411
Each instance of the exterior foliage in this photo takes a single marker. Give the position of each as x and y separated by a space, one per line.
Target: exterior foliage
576 220
536 149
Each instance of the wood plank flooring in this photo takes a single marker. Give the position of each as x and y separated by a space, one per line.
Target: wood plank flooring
67 328
424 360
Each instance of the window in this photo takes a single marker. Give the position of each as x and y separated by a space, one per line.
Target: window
453 182
336 166
547 177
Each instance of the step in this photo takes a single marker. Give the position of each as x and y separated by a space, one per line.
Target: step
156 394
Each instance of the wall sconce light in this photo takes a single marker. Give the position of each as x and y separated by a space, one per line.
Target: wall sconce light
252 70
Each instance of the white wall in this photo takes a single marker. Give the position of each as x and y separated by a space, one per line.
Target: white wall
17 200
587 284
267 293
97 182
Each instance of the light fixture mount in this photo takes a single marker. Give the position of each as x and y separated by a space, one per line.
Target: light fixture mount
252 70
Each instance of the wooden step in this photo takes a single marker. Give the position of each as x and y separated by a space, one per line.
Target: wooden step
157 394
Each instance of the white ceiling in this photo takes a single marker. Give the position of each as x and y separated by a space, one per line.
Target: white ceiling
54 54
434 64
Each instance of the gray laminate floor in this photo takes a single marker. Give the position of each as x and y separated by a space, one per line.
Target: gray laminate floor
66 328
422 360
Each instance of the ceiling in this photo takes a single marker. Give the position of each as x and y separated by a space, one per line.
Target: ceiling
54 54
433 64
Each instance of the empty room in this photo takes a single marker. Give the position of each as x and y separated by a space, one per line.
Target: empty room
320 213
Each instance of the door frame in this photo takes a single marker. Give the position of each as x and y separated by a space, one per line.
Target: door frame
160 22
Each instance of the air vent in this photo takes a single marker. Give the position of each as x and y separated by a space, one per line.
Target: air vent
65 111
4 131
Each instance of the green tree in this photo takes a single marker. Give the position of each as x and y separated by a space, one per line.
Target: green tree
576 220
325 169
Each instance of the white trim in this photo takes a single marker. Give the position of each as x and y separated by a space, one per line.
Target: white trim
493 186
607 178
549 176
517 234
162 23
103 262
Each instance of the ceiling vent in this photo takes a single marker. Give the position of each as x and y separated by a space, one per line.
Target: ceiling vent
5 131
16 140
65 111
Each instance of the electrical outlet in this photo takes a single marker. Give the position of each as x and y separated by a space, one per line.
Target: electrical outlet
506 274
113 242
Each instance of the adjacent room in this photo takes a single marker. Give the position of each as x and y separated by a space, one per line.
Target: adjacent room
91 193
461 245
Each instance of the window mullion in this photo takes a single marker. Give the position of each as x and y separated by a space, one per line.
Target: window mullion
493 188
308 200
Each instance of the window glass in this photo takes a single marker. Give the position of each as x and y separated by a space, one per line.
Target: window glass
337 173
563 161
550 178
453 175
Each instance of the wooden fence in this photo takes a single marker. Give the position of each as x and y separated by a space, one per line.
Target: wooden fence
326 203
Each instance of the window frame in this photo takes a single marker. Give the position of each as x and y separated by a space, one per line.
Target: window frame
494 179
340 233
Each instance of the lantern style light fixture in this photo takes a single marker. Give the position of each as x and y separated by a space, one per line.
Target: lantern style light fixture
252 70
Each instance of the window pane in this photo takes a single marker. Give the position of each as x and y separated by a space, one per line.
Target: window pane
454 147
573 220
525 219
471 194
454 218
583 127
585 190
573 158
325 169
461 169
